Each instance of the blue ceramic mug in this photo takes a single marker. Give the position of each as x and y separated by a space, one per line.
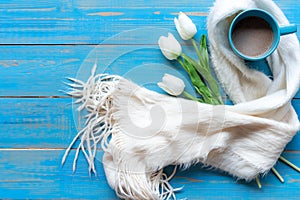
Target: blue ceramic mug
255 34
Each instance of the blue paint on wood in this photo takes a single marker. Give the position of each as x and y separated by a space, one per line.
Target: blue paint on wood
41 70
36 123
38 174
83 22
47 124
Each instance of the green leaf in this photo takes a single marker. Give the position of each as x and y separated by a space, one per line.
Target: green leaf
191 97
198 84
202 67
203 51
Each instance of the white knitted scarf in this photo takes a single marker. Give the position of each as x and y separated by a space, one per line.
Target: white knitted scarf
141 131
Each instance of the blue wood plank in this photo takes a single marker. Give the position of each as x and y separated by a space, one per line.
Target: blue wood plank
38 70
50 123
87 4
36 123
47 125
41 70
38 174
66 22
86 26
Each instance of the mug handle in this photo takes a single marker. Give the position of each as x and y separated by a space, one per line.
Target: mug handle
284 30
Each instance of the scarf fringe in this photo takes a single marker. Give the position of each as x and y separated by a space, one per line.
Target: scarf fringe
95 97
132 185
161 185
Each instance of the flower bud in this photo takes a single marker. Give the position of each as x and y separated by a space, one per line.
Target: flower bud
172 85
170 47
185 27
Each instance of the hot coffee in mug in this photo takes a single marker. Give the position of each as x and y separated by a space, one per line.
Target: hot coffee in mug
254 34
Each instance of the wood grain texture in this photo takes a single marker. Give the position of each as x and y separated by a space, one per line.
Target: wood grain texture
40 70
43 42
38 174
36 123
91 22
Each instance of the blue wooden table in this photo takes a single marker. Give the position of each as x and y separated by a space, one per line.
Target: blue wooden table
42 42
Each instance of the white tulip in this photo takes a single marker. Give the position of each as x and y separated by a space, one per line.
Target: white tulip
185 26
172 85
170 47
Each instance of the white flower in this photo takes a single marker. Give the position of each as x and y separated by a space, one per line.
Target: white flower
185 27
170 47
172 85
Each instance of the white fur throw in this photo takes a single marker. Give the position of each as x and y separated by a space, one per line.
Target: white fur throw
142 131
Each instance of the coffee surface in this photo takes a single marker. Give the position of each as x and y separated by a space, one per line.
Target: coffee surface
252 36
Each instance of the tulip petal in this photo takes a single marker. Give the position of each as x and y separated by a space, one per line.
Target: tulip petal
165 88
170 47
185 26
172 85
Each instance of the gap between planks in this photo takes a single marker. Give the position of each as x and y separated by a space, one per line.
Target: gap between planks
83 44
57 97
36 97
99 149
39 149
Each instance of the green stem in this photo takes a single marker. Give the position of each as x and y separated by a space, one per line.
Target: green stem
289 164
191 97
277 174
181 63
196 48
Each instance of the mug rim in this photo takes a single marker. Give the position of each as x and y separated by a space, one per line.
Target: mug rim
276 33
